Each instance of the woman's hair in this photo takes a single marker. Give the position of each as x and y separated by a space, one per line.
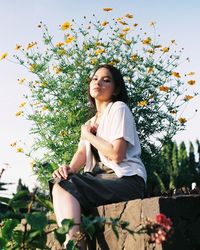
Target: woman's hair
120 92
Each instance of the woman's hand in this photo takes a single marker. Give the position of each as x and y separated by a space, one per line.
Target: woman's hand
62 172
85 129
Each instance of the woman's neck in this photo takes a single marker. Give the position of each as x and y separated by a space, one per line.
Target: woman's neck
101 106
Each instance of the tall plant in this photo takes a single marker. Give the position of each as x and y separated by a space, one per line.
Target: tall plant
58 104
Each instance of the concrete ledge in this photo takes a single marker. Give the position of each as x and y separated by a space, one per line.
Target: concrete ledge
183 210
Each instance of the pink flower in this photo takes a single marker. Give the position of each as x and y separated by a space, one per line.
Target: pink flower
165 222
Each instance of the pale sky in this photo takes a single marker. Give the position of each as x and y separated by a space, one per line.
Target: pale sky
179 20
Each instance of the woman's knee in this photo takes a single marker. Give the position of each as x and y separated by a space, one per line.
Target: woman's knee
56 190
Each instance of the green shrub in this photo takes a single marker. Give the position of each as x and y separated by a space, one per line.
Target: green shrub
58 104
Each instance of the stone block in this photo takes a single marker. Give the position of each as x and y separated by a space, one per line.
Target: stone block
183 210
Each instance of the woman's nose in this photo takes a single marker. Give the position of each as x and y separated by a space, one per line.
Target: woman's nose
98 82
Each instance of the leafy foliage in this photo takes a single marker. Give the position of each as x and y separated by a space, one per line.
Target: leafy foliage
58 103
26 224
177 167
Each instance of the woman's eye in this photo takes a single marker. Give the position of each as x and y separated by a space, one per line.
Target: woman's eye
106 80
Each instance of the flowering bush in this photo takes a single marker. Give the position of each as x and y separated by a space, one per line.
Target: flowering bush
58 104
159 230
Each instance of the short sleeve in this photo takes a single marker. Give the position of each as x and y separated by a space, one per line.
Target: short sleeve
122 125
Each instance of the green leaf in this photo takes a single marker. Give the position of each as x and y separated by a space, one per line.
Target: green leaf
44 201
37 220
114 228
36 239
20 200
71 245
88 225
2 243
124 224
18 238
114 225
8 228
4 199
67 224
60 237
162 185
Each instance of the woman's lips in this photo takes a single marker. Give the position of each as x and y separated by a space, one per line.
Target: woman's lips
96 88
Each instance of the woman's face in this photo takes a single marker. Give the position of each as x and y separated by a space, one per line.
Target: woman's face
102 85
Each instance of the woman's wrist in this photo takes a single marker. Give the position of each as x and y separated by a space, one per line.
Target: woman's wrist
71 170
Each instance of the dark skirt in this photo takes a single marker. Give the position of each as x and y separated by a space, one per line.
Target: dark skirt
101 187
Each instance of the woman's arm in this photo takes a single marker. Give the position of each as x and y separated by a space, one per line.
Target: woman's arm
114 151
78 160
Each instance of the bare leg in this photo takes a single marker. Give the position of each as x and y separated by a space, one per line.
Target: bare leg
66 206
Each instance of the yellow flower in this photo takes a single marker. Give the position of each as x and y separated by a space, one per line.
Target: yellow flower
146 41
99 51
66 25
4 56
129 15
21 81
176 74
126 29
182 120
19 150
19 113
61 52
191 73
99 44
157 46
30 45
63 133
191 82
122 35
36 103
69 39
33 67
22 104
114 62
107 9
150 70
119 19
13 144
123 23
32 164
165 49
44 84
152 23
142 103
104 23
134 57
45 108
94 61
60 44
164 88
151 51
17 47
57 69
188 97
128 42
173 112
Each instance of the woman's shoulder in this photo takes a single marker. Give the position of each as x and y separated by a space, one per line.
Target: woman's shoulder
119 104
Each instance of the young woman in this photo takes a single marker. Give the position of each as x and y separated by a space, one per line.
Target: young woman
109 150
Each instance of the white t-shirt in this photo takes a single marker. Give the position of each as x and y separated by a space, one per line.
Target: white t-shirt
117 122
